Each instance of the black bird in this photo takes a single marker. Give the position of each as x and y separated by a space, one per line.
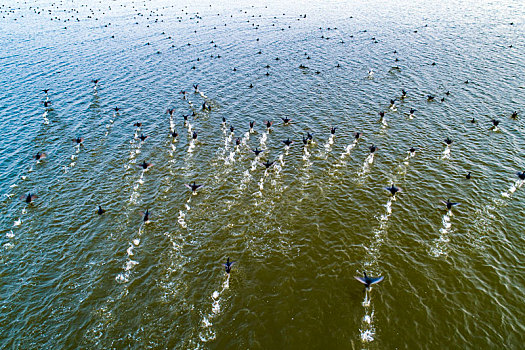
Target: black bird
412 149
447 93
495 123
196 87
185 117
257 151
332 130
145 165
393 189
29 198
45 91
448 141
357 135
268 124
146 216
372 148
138 125
116 109
382 115
473 120
310 136
412 110
142 137
267 164
95 81
430 98
251 125
78 140
39 156
238 141
468 176
206 106
47 103
100 211
403 93
194 136
224 120
305 140
170 111
193 186
392 102
174 134
449 204
521 175
368 281
442 99
231 129
228 265
287 142
286 120
514 115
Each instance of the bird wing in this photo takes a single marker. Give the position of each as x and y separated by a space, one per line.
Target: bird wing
360 279
376 279
187 185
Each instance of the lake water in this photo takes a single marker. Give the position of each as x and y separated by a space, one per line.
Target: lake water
298 232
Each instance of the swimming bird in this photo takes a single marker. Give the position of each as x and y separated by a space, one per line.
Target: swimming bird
514 115
287 142
430 98
183 93
310 137
228 265
267 164
368 281
78 140
495 123
372 148
29 198
238 141
116 109
449 204
521 175
473 120
174 134
39 156
268 124
332 130
305 140
412 149
145 165
403 93
468 176
95 81
45 91
138 125
257 151
185 117
357 135
381 115
392 104
448 141
251 125
393 189
194 136
286 120
193 187
196 88
146 216
47 103
100 211
142 137
170 111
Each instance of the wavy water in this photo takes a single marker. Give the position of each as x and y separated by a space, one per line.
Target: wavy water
299 230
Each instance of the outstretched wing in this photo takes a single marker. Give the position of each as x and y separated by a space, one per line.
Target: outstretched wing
375 280
360 279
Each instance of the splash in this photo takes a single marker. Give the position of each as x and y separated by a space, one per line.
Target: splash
440 246
207 333
446 153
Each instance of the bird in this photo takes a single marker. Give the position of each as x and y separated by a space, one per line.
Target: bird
372 148
257 151
368 281
194 136
514 115
448 141
449 204
468 176
412 149
393 189
39 156
228 265
193 186
495 123
268 124
146 216
430 98
174 134
287 142
232 129
29 198
357 135
138 125
332 130
521 175
142 137
286 120
100 211
267 164
78 140
145 165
